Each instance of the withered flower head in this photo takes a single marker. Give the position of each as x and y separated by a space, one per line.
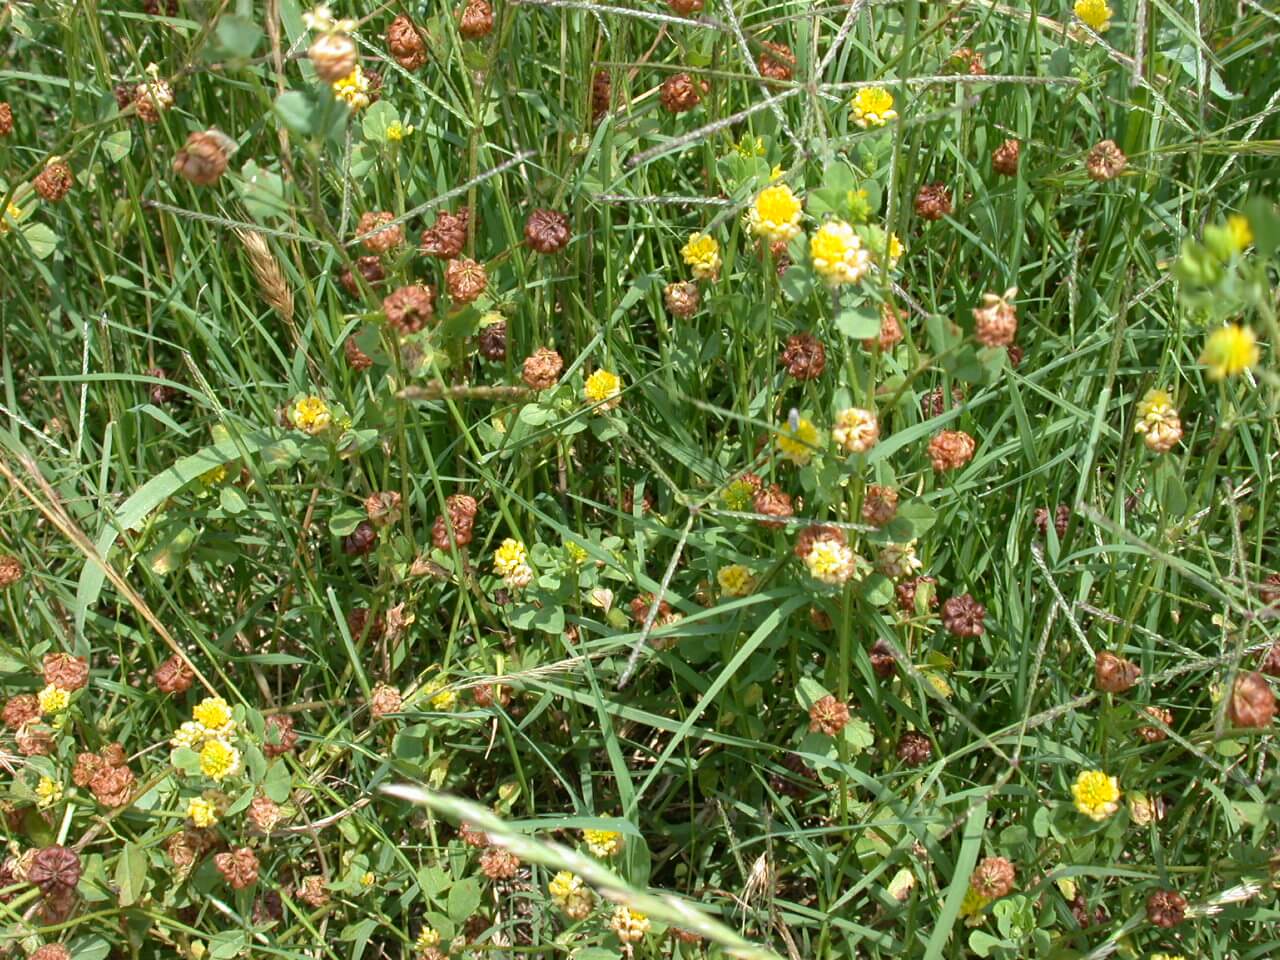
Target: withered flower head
809 536
680 93
161 394
476 20
447 237
828 715
1061 519
65 671
20 710
1114 674
685 8
384 700
204 157
932 403
487 694
499 864
383 509
10 570
776 61
933 201
963 616
6 119
34 740
879 504
1252 703
405 43
1105 161
992 878
804 356
410 308
602 92
239 868
492 341
460 516
546 231
465 279
951 450
1166 908
1004 160
264 813
370 269
55 868
361 540
773 502
174 676
383 239
995 323
542 368
906 593
1269 592
55 181
890 329
359 621
334 56
112 786
682 299
312 891
883 662
471 836
914 748
279 737
1151 733
51 951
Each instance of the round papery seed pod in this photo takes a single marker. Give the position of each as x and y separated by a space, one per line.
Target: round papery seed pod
492 341
1166 908
447 237
51 951
465 279
879 505
1252 704
682 299
963 616
369 268
239 868
357 359
993 878
1061 520
361 540
995 323
773 502
11 570
906 593
203 159
375 235
1004 160
828 715
680 93
546 231
383 508
933 201
334 56
890 329
541 369
410 308
1114 674
152 98
55 181
951 450
405 43
804 356
883 662
1105 161
476 20
174 676
776 61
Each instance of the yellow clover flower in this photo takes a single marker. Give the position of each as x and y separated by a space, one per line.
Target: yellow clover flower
1230 350
353 89
53 700
214 714
838 254
311 415
701 254
775 214
439 697
1158 421
738 494
629 925
219 760
428 939
603 843
511 563
1239 231
831 562
872 107
1095 14
797 442
48 792
1096 794
603 388
735 580
397 131
190 735
202 812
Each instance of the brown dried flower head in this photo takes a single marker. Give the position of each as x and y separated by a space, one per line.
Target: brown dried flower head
361 540
685 8
602 92
405 44
20 710
1105 161
460 516
680 93
373 232
993 878
204 157
174 676
1166 908
951 450
914 749
492 341
385 700
828 715
546 231
906 593
279 737
1114 674
312 891
476 20
55 868
810 536
238 867
487 694
1004 159
963 616
1151 733
890 329
995 323
541 369
1061 519
773 502
410 308
264 813
879 504
933 403
334 56
682 299
55 181
447 237
65 671
804 356
933 201
10 570
359 621
34 740
471 836
369 267
776 61
383 509
6 119
499 864
112 786
151 99
161 394
883 662
465 279
1252 704
51 951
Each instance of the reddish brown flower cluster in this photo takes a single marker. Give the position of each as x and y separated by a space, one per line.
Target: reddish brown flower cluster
385 699
383 508
492 341
65 671
1252 704
51 951
447 237
405 43
933 403
55 181
410 308
1061 519
204 157
361 540
1004 159
995 323
106 774
20 710
1151 733
772 501
968 60
362 623
681 93
963 616
685 8
891 319
682 299
161 394
906 593
914 749
804 356
312 891
1114 674
465 279
993 878
1269 592
828 715
279 737
951 450
238 867
10 570
499 864
776 61
1166 908
1105 161
369 268
786 786
933 201
55 869
6 119
879 504
476 20
546 231
883 662
459 517
486 695
541 369
174 675
264 813
640 610
373 231
601 95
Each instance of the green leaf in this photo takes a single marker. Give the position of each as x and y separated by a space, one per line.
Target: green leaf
858 323
1264 221
912 521
548 618
344 520
297 111
232 500
226 944
237 36
262 192
464 897
877 590
797 284
42 239
857 735
171 551
278 782
116 146
809 691
131 874
378 119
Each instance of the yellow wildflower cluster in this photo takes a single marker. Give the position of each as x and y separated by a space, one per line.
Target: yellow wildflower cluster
1230 350
775 214
629 925
571 895
603 389
838 254
798 441
48 793
311 415
353 89
603 843
53 700
831 562
209 733
872 107
201 812
1158 421
1095 14
701 254
735 580
511 563
1096 794
856 430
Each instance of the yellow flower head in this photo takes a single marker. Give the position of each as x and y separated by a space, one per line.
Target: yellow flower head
630 925
831 562
353 89
214 715
603 843
838 254
896 249
775 214
12 212
48 792
776 172
575 554
1095 14
856 430
603 388
1239 231
872 107
1230 350
219 760
972 905
203 813
701 254
311 415
1097 795
368 879
190 735
797 442
735 580
53 700
1157 420
428 939
738 495
749 146
509 557
397 131
439 697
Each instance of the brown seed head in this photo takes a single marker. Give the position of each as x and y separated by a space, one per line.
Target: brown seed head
541 369
361 540
360 620
55 868
65 671
933 201
682 299
951 450
112 786
476 20
238 867
932 403
370 269
914 749
405 44
312 891
385 699
374 233
465 279
161 395
86 765
1270 663
487 694
410 308
492 341
55 181
995 323
460 516
1269 592
204 157
447 237
879 505
34 740
546 231
804 356
890 329
6 120
1004 159
906 593
383 509
279 737
174 676
1105 161
10 570
499 864
828 715
264 813
1166 908
685 8
679 93
963 616
1114 674
334 56
602 92
992 878
883 662
20 710
1252 703
471 836
773 502
776 61
1061 519
51 951
1154 734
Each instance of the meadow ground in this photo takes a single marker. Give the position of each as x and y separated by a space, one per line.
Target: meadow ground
553 479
